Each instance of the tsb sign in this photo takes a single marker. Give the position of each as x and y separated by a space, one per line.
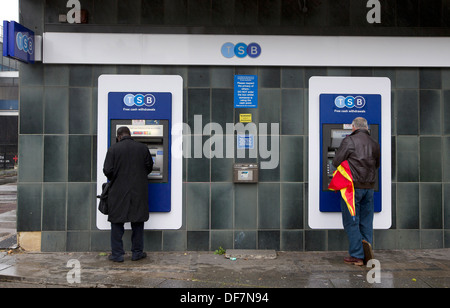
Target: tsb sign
241 50
18 42
350 102
24 43
139 100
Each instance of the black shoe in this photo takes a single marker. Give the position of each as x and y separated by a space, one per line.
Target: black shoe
119 259
139 256
368 252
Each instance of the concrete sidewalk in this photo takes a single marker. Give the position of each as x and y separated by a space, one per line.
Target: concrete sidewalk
8 217
398 269
8 176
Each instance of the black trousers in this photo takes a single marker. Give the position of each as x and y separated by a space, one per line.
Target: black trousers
137 239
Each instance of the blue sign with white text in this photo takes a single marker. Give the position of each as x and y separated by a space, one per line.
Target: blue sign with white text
245 91
18 42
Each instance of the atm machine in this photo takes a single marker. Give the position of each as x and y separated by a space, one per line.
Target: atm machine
148 116
155 135
151 106
332 136
337 112
334 102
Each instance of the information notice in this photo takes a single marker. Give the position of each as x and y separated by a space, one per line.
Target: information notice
245 91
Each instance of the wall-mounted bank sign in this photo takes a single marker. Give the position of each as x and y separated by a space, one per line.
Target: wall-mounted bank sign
241 50
18 42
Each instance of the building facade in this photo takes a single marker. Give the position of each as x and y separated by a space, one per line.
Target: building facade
9 110
58 126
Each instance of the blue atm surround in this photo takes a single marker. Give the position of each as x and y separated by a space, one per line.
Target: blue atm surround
335 111
154 107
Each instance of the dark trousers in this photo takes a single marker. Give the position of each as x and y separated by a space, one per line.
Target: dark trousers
137 239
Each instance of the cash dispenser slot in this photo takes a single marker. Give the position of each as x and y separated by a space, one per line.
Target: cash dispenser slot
156 148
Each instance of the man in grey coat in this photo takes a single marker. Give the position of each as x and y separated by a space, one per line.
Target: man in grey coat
127 165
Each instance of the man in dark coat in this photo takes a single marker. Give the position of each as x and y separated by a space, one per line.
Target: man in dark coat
127 165
363 155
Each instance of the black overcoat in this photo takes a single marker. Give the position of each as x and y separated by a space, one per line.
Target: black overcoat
127 164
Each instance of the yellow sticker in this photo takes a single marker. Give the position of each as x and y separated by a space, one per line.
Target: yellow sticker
245 118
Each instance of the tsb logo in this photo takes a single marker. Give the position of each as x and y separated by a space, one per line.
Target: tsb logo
24 43
350 102
241 50
139 100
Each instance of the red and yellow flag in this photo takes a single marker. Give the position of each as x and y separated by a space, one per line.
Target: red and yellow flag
342 180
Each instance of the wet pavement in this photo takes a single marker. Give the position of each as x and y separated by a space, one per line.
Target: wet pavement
252 269
396 269
8 176
8 205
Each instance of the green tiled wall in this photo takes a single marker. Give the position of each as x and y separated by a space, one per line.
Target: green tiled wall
58 162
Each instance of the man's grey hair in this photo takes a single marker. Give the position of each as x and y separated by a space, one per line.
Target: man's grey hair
360 123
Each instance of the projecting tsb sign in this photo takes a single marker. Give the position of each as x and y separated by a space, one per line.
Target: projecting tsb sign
18 42
24 43
241 50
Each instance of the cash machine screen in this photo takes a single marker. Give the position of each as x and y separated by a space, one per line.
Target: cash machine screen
337 135
154 134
